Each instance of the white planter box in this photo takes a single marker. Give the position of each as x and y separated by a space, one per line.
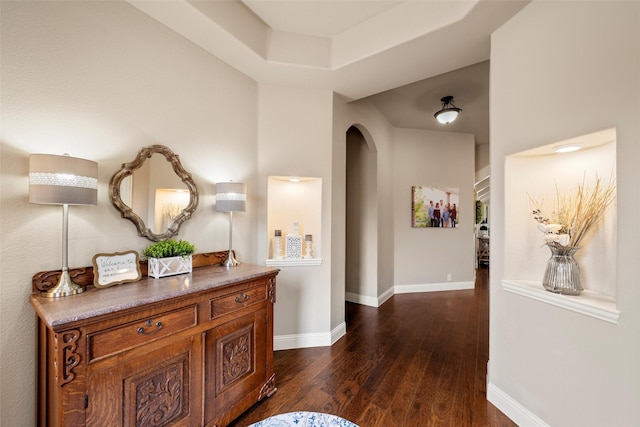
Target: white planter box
161 267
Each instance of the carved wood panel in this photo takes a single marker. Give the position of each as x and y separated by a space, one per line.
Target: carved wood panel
153 390
66 355
159 396
272 290
235 354
235 364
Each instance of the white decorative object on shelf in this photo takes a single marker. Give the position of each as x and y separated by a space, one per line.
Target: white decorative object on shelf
161 267
309 246
293 249
293 244
277 245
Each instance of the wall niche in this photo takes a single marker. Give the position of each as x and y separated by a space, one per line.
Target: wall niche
294 214
541 174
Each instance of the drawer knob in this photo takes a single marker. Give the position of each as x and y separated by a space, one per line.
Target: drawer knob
149 323
242 298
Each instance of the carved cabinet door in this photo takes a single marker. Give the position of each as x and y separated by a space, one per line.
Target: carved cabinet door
235 367
159 388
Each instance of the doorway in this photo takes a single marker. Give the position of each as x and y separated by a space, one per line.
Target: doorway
361 220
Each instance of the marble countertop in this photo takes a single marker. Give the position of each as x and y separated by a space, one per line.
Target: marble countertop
94 302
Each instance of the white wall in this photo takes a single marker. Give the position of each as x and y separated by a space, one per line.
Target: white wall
378 134
99 80
482 156
294 139
362 220
425 256
386 212
562 70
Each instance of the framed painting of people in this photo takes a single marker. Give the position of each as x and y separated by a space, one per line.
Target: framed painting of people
435 207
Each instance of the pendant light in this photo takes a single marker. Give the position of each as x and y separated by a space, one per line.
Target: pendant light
449 112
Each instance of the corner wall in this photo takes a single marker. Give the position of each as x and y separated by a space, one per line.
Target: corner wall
561 70
294 139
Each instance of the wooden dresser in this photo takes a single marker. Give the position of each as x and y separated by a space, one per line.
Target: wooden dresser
188 350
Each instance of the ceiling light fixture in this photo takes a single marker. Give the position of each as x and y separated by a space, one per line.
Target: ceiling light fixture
449 112
567 148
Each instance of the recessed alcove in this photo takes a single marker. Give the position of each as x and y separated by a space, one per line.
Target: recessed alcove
540 175
294 199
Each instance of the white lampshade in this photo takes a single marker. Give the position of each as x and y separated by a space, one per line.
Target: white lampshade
447 116
231 197
62 180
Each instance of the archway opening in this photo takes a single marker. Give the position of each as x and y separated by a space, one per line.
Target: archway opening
361 221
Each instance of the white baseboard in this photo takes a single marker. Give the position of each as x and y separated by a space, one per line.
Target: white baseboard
361 299
338 332
512 409
318 339
367 300
385 296
433 287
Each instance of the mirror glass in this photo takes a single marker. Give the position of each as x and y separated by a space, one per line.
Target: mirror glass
154 192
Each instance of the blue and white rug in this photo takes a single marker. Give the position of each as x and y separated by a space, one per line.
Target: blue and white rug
304 419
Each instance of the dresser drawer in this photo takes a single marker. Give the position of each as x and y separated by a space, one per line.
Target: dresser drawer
238 300
146 329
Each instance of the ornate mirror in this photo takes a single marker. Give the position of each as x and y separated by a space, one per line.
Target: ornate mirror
154 192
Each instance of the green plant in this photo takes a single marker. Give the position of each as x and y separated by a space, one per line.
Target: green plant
479 209
169 248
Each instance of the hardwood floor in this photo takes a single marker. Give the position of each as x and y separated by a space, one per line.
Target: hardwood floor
418 360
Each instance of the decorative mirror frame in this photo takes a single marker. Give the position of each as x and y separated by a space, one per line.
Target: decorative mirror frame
128 213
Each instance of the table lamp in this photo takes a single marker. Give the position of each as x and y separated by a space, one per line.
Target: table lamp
63 180
231 197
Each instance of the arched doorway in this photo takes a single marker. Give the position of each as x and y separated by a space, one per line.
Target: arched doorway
361 218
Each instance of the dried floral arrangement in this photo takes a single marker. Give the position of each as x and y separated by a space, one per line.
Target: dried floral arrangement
574 214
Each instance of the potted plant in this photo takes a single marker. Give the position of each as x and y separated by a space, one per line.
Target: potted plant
169 257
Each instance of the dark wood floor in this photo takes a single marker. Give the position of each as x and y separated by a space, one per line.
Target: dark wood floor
418 360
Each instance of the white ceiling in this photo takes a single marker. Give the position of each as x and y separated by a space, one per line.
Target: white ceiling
326 18
402 55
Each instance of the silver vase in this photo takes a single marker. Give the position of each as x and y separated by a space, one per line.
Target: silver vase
562 274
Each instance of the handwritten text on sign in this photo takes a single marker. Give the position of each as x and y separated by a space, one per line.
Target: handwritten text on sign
112 269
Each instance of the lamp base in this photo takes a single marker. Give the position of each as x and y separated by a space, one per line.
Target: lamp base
231 260
64 288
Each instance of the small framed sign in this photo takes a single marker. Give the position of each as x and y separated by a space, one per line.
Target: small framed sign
113 269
